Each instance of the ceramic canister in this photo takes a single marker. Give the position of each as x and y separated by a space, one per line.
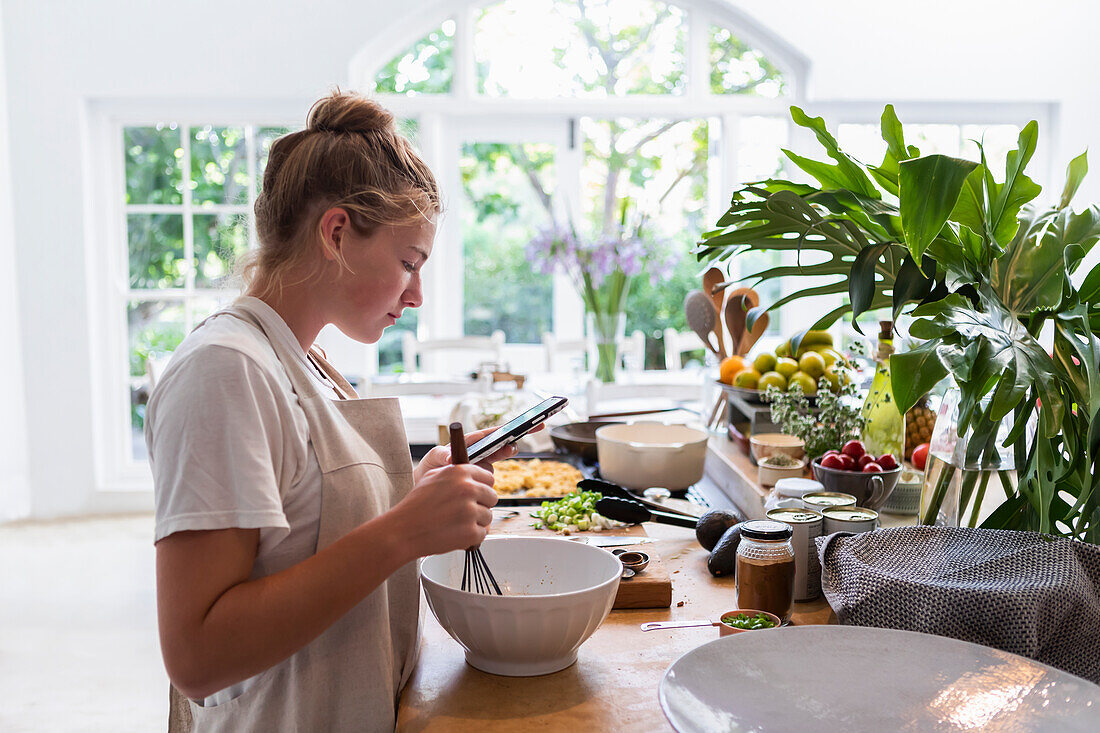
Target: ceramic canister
849 519
806 524
819 500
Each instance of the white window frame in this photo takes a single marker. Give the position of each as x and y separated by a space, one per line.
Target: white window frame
441 115
118 475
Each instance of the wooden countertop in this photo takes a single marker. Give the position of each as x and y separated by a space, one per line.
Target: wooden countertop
613 685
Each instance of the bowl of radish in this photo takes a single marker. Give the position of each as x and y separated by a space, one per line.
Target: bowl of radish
852 470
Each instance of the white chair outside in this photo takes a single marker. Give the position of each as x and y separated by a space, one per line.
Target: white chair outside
678 343
558 353
473 349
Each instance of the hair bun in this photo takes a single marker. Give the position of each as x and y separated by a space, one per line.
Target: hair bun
347 112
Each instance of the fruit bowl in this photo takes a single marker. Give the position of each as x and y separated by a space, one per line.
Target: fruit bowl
871 490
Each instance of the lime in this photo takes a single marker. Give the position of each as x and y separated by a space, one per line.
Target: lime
786 366
808 383
773 379
764 363
812 363
746 378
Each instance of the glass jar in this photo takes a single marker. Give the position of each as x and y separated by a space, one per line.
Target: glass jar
954 492
765 568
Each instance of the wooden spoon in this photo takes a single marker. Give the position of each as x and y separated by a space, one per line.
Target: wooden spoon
740 300
752 336
711 279
701 316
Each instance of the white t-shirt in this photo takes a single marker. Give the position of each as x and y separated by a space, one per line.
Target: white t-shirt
229 444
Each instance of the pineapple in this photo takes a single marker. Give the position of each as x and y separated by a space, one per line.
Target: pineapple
919 422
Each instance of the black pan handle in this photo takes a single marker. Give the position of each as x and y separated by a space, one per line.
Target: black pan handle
609 489
631 512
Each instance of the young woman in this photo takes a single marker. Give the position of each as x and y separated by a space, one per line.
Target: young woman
288 513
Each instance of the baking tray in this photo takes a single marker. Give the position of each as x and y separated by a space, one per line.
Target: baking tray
587 471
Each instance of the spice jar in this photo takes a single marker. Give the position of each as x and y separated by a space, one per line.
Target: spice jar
765 568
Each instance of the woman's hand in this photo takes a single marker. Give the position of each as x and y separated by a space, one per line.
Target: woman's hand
449 508
441 455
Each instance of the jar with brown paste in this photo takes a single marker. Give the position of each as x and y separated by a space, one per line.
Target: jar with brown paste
765 568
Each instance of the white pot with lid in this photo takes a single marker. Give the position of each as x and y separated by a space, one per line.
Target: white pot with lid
643 454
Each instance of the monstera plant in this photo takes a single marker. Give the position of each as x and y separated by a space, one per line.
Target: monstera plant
984 271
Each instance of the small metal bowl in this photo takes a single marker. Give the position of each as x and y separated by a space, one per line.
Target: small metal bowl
634 560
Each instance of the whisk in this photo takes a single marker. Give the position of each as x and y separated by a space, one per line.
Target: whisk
476 576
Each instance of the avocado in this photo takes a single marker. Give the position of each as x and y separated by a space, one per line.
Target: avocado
723 558
710 526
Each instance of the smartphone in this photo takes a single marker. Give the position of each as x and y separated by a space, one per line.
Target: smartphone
515 428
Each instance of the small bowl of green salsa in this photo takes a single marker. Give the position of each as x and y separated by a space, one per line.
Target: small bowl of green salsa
746 619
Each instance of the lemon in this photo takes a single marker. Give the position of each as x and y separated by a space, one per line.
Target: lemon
786 366
730 367
812 363
831 356
764 363
746 378
833 378
808 383
773 379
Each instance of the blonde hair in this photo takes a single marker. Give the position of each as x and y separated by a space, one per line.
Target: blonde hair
350 155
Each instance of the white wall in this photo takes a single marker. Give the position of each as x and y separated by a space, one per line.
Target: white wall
60 54
15 497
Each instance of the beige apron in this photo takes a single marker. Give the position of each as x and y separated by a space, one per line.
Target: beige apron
350 677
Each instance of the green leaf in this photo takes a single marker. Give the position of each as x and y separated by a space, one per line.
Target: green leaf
914 373
911 285
1090 287
848 172
861 282
929 188
1075 173
1007 199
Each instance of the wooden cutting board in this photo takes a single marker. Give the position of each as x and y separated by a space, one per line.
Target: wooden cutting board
652 588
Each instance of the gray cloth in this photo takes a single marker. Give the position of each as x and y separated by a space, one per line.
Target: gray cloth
1020 592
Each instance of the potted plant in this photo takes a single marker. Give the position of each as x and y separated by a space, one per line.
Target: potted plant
987 271
602 270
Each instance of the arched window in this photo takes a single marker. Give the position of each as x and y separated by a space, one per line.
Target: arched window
615 110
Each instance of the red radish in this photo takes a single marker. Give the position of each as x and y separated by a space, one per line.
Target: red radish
833 461
887 461
920 456
853 448
849 462
864 460
872 467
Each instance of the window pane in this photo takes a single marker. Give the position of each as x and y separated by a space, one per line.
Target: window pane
997 140
153 171
156 328
265 136
658 169
219 165
219 240
389 346
425 68
599 48
156 250
760 155
934 139
505 212
863 142
738 68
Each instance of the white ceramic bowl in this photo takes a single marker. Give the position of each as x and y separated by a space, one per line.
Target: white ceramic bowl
556 593
769 444
768 474
643 454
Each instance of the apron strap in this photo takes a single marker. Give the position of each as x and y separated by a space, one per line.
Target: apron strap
342 387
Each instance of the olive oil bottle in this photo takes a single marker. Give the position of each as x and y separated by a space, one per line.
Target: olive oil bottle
884 425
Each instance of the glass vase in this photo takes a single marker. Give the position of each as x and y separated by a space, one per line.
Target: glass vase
956 491
607 331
